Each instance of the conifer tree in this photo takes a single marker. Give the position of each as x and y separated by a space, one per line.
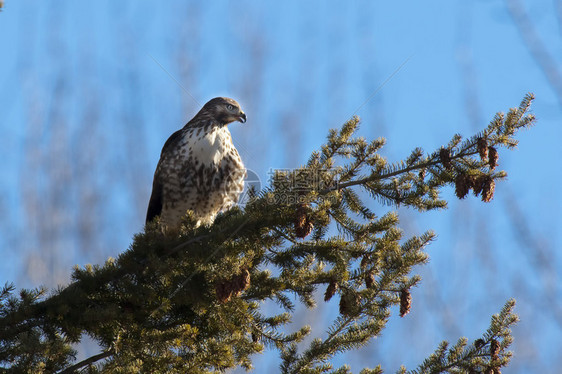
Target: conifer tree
192 301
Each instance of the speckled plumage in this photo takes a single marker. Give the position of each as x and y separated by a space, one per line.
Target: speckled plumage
199 167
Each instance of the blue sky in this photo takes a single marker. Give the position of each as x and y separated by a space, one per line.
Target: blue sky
89 92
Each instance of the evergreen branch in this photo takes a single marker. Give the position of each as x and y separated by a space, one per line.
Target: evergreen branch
88 361
318 350
461 357
434 161
192 299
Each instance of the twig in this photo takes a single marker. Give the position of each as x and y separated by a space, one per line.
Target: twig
87 361
434 161
332 336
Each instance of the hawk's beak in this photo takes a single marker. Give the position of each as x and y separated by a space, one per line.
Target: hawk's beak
242 117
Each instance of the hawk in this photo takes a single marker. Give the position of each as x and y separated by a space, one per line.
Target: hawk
199 168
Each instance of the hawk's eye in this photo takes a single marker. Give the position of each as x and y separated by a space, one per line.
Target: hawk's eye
230 107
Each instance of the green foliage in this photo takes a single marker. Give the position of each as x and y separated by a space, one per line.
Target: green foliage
478 357
191 301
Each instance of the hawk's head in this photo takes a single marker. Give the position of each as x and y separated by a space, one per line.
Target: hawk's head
224 110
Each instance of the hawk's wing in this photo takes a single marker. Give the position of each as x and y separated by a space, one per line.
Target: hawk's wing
155 204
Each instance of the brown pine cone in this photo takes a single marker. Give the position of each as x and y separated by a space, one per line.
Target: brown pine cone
445 157
494 349
240 282
303 226
232 287
488 187
482 146
405 302
369 279
223 291
350 303
492 157
476 182
462 185
365 260
331 290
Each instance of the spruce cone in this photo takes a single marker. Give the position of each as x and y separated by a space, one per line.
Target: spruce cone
240 282
445 157
479 343
405 302
349 304
482 146
369 279
493 157
488 187
421 174
331 290
476 182
233 287
365 260
303 226
224 293
462 185
494 349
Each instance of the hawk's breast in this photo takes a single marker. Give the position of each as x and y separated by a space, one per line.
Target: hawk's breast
204 173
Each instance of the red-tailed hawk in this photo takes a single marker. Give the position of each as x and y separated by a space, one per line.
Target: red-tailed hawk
199 167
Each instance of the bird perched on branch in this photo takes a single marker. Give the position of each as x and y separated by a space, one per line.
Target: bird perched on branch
199 168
